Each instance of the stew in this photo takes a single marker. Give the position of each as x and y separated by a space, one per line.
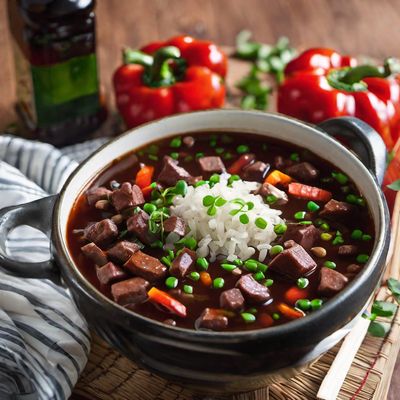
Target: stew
222 232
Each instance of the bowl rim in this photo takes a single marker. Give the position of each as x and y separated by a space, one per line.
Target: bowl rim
378 254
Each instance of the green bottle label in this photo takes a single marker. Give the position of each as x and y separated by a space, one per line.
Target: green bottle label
66 90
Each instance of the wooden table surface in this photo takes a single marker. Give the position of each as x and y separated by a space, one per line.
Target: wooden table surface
353 26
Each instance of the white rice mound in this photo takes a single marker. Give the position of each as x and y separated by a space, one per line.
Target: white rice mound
223 234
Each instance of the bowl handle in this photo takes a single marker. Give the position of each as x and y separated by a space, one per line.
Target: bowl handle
37 214
362 139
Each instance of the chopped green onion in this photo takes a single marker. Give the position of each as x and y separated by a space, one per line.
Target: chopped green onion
280 229
341 178
248 317
326 236
303 304
351 198
251 265
362 258
275 316
271 199
383 308
188 289
214 178
174 155
166 261
330 264
200 183
171 282
300 215
176 142
305 222
228 267
149 208
356 234
218 283
244 219
202 263
189 242
274 250
194 276
268 282
157 244
259 276
316 304
312 206
295 157
242 149
302 283
260 223
378 329
338 240
171 254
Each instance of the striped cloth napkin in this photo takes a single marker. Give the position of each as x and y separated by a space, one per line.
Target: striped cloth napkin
44 341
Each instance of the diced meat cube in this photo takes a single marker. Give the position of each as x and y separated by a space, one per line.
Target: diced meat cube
93 195
122 251
255 172
212 319
267 189
127 196
347 250
172 173
289 243
353 268
281 162
101 233
334 209
253 292
176 225
331 282
188 141
211 164
110 273
305 236
94 253
139 225
303 172
131 291
293 262
145 266
231 299
182 263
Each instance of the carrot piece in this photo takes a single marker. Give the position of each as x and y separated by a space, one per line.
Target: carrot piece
294 293
265 320
147 190
144 176
309 192
165 300
277 177
205 278
290 312
240 163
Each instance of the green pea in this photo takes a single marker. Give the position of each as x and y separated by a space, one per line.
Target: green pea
194 276
171 282
262 267
202 263
274 250
188 289
271 199
312 206
214 178
351 198
326 236
251 265
228 267
303 304
316 304
260 223
242 149
218 283
269 282
149 208
233 178
259 276
300 215
330 264
366 237
295 157
280 229
238 262
200 183
302 283
176 142
356 234
362 258
248 317
174 155
276 316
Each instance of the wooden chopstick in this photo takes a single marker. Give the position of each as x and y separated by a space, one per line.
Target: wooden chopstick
337 373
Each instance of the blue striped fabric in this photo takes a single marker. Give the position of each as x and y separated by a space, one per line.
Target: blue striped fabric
44 341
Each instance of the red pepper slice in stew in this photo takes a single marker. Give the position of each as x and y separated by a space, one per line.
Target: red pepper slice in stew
165 300
144 176
290 312
309 192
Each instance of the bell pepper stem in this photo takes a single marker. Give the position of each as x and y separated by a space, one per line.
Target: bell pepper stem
160 73
136 57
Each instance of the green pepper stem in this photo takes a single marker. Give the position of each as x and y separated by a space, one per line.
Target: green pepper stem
160 73
130 56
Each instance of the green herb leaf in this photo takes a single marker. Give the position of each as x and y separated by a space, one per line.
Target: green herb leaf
378 329
219 202
395 185
394 287
208 201
234 212
212 211
244 219
383 308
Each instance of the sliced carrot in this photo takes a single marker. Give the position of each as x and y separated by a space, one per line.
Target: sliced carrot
265 320
309 192
277 177
240 163
294 293
290 312
144 176
165 300
205 278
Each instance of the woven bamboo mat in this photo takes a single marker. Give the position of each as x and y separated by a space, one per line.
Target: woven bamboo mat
110 376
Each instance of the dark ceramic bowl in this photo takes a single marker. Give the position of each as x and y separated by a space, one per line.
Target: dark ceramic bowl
213 361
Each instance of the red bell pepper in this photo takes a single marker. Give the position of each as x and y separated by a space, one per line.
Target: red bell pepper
164 78
321 84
